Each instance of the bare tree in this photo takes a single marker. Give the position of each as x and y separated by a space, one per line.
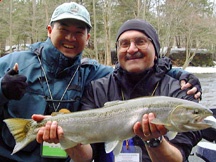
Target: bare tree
95 31
183 26
11 26
107 29
186 23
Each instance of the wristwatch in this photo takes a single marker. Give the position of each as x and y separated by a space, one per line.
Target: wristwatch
154 142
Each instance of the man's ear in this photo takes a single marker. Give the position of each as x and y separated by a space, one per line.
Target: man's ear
49 30
87 39
156 57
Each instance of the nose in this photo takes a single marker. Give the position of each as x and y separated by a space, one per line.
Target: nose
132 48
70 37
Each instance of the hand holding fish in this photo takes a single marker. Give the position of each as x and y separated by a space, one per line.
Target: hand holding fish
147 130
50 133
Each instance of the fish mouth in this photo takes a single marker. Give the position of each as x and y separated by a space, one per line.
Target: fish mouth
200 119
198 123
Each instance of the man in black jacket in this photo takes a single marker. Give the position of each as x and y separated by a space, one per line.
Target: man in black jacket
139 73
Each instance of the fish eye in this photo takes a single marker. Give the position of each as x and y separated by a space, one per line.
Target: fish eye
196 111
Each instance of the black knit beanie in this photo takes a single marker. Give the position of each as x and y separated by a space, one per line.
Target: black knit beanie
143 26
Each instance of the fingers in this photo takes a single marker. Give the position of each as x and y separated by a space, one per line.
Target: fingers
192 91
191 82
146 130
146 126
16 68
155 130
197 95
185 85
38 118
138 129
197 92
39 137
50 133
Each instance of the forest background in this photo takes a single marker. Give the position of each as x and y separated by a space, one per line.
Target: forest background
188 24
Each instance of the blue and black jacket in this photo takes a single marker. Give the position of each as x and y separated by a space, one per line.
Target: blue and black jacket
37 100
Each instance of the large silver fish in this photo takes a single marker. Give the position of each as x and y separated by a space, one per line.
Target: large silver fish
114 122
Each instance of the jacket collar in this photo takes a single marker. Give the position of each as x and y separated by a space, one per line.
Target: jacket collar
56 63
142 84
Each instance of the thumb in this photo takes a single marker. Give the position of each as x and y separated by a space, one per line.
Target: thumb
182 84
14 71
38 117
16 67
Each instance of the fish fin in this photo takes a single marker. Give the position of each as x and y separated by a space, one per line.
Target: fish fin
55 113
171 135
64 111
158 122
110 146
194 126
113 103
118 148
19 128
61 111
67 143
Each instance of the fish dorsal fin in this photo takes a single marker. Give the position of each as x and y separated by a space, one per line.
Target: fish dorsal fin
61 111
171 135
113 103
110 146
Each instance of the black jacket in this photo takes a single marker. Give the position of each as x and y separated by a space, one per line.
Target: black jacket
121 85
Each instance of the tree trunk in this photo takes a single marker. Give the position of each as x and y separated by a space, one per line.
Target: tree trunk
95 32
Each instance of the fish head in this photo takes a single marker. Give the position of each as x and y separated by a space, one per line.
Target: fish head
189 117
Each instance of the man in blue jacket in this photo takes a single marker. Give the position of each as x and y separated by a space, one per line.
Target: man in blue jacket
46 78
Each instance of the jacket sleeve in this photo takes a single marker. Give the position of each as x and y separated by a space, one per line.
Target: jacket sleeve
6 63
95 70
186 141
87 101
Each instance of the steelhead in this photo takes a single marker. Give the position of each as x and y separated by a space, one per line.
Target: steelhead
113 123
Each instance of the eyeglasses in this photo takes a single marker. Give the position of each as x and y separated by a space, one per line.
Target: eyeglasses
140 43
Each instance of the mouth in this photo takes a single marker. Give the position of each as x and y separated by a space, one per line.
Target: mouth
69 46
137 55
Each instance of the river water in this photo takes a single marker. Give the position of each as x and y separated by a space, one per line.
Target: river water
208 83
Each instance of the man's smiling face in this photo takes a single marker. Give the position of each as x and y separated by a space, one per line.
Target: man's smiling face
138 55
69 36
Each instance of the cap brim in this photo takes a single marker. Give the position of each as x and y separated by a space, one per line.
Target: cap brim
69 16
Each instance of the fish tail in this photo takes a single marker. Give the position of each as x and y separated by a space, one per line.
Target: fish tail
19 128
